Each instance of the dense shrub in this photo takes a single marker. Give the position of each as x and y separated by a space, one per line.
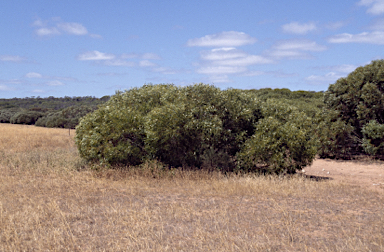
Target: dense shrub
66 118
351 103
373 141
195 126
6 114
26 117
284 140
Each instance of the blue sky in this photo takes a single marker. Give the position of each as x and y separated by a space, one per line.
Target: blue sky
94 48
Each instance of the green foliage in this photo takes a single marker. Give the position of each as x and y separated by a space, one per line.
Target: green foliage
336 137
283 141
66 118
26 117
52 103
354 101
309 102
7 113
373 141
197 126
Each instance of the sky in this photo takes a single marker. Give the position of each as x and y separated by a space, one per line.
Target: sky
95 48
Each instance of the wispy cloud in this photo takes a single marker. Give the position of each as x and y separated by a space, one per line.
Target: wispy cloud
223 39
146 63
95 55
346 68
219 63
335 25
294 49
376 37
298 28
46 31
336 72
12 58
119 62
43 28
328 78
33 75
73 28
147 56
232 57
5 88
55 83
139 60
375 7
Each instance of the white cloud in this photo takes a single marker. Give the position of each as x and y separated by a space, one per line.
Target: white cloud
334 25
146 63
47 31
38 91
295 49
302 45
223 39
119 62
376 37
33 75
219 79
218 63
151 56
5 88
164 70
95 55
147 56
57 28
232 57
221 70
375 7
328 78
55 83
12 58
297 28
336 73
343 68
73 28
95 36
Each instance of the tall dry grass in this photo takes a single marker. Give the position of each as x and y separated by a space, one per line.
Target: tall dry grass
50 200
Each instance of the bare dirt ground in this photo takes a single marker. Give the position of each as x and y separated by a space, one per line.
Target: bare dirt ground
365 173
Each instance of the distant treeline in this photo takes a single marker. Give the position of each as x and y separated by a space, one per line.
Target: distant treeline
63 112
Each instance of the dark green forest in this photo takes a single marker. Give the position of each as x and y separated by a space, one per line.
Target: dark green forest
265 130
51 112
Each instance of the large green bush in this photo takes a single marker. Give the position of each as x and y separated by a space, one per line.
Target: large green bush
351 103
195 126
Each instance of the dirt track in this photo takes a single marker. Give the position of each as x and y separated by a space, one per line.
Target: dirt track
363 173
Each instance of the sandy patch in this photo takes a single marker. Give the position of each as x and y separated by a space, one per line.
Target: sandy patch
362 173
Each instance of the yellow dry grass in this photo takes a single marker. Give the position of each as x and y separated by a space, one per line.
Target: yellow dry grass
50 200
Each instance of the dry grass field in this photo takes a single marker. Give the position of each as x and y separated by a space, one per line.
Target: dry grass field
50 200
